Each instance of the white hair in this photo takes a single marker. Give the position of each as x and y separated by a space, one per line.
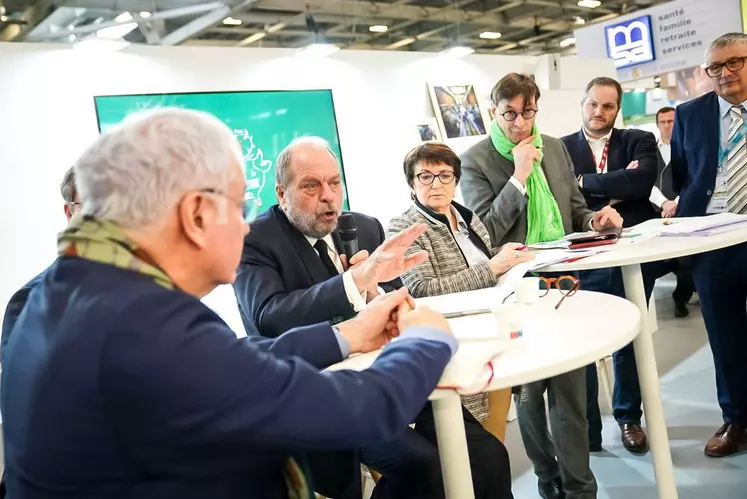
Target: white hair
136 172
283 161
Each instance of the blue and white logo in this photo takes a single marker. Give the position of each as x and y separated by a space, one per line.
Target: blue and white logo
630 42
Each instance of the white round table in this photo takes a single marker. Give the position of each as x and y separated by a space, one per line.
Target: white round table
629 255
553 342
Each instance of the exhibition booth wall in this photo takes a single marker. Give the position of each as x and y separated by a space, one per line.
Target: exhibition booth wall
48 117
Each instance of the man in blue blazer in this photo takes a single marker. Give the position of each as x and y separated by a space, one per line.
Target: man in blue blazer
616 168
18 300
708 167
119 382
293 272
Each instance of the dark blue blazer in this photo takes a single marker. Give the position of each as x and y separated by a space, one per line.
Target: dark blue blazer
14 308
631 187
695 146
282 283
114 386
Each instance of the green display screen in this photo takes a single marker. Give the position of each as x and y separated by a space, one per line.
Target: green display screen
264 122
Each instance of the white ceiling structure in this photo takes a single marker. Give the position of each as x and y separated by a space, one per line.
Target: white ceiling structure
528 27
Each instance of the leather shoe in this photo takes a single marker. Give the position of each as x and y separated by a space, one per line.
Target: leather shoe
595 446
680 310
634 439
552 489
729 440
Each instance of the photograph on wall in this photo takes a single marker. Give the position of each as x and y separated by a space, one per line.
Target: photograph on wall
457 110
428 130
264 122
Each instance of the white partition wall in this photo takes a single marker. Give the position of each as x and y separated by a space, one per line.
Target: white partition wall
48 117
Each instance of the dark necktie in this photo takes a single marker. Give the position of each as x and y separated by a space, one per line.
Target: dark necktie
323 250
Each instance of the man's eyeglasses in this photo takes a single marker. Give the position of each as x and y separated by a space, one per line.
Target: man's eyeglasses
567 285
734 64
527 114
249 205
427 178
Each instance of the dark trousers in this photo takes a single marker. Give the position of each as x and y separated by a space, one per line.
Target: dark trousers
720 279
682 269
626 395
411 469
563 450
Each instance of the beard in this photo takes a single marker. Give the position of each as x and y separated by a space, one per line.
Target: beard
309 224
598 127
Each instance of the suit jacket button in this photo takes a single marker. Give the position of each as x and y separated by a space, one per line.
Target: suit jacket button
709 192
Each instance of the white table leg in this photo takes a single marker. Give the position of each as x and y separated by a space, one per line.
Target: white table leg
452 447
651 394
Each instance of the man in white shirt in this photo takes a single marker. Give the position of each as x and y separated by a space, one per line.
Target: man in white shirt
614 167
664 197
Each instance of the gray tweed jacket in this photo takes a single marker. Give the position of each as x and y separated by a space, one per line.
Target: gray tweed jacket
446 270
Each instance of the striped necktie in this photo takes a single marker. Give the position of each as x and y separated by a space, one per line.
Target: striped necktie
736 164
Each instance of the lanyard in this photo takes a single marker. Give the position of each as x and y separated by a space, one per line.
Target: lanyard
603 163
726 149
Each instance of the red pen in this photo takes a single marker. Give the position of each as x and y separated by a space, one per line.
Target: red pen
522 248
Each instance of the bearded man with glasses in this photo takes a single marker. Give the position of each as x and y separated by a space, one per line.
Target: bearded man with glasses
709 170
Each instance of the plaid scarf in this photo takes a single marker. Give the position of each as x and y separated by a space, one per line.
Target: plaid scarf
103 242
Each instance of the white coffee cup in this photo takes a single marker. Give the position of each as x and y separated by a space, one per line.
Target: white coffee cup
527 290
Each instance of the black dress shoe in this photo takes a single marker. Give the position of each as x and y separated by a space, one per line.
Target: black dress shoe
680 309
552 489
634 439
595 446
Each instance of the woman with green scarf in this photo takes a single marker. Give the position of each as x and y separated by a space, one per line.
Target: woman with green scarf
522 186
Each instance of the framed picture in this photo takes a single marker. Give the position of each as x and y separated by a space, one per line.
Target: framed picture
428 130
457 110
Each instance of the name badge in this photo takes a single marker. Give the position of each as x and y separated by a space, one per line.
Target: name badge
718 202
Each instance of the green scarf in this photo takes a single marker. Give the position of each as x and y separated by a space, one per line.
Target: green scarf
103 242
543 216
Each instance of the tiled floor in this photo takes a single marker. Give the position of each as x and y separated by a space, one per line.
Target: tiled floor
692 412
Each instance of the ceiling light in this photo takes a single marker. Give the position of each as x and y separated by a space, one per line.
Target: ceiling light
120 30
457 51
3 19
101 44
400 43
490 35
579 20
589 4
657 79
231 21
567 42
378 28
252 38
71 38
145 14
318 50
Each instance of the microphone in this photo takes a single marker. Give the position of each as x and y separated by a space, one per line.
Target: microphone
349 234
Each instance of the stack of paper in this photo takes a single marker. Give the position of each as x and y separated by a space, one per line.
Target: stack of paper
468 372
704 226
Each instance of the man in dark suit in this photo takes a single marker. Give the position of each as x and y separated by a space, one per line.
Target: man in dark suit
709 167
614 168
18 300
294 272
665 199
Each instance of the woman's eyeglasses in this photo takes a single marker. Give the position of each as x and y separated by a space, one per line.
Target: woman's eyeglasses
427 178
567 285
